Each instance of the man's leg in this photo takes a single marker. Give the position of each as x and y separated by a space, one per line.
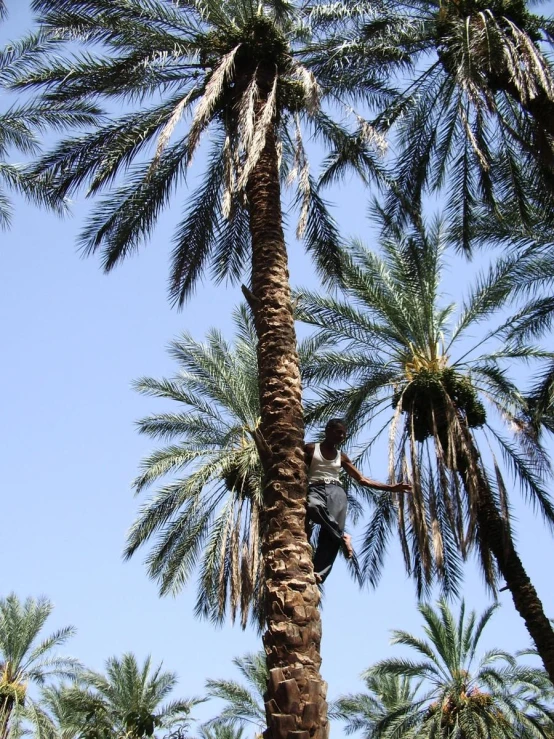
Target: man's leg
327 549
327 506
318 511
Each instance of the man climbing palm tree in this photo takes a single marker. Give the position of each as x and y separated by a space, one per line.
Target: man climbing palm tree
327 501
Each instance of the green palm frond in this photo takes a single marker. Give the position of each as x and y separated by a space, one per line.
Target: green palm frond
21 127
244 705
206 516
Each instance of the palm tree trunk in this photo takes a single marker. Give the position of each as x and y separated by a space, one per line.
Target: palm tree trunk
495 534
295 699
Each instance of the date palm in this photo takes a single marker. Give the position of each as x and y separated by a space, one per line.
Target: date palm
27 657
404 365
244 704
211 511
230 69
460 695
474 118
126 702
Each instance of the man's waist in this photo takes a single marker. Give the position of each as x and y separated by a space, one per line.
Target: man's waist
324 481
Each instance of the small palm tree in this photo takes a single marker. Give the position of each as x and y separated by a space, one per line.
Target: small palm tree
27 657
459 695
403 365
475 114
244 704
215 508
366 712
126 702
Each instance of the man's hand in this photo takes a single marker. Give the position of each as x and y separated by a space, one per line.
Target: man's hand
400 487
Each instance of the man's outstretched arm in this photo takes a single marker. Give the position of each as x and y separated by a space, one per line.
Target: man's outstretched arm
355 474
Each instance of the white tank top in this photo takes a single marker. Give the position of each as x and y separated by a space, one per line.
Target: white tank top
324 470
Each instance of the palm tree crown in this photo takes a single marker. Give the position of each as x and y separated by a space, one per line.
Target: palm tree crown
474 117
126 701
233 67
460 695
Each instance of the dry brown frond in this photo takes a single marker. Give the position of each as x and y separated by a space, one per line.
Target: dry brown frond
168 129
258 141
209 100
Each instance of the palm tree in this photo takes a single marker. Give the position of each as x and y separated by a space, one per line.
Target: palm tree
125 702
244 704
475 115
238 63
26 656
403 365
216 506
458 695
385 695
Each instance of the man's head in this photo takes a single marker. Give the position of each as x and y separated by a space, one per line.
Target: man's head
335 431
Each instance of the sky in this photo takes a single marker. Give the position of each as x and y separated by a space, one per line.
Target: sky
73 340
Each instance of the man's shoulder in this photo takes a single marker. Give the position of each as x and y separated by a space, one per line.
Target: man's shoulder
310 445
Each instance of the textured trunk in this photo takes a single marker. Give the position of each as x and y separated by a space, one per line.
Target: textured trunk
295 699
496 537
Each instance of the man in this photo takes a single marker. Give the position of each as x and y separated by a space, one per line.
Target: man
327 501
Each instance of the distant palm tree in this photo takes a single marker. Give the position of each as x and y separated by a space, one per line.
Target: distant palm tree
27 657
234 69
403 365
213 506
457 696
126 702
475 115
385 695
244 705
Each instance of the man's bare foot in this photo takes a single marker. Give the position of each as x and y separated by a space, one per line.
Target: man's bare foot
318 578
348 548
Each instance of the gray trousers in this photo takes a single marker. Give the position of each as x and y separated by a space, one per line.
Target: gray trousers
327 504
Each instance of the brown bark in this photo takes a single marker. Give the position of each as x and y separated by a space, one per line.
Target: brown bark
495 535
295 699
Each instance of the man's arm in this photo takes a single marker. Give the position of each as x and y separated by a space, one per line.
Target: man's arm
355 474
308 453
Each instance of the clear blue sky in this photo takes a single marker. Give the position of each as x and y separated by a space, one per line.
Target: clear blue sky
73 339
